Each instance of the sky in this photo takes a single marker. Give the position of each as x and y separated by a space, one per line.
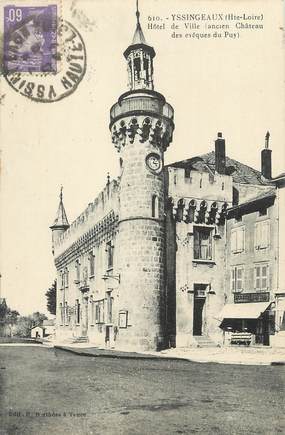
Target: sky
235 86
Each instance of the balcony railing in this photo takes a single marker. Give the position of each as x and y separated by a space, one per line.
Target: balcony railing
142 103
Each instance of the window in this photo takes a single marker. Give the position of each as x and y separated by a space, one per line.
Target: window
77 268
92 310
62 279
109 307
154 206
77 311
263 211
92 263
237 278
262 235
202 243
99 313
261 277
237 240
66 310
238 217
66 277
61 310
110 254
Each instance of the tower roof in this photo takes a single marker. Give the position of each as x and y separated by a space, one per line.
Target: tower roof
61 218
138 35
138 38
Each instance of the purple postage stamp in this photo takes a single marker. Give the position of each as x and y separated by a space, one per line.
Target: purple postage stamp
30 38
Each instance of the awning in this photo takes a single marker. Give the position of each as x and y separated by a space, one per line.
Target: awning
251 310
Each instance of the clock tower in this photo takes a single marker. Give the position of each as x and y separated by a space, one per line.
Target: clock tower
141 127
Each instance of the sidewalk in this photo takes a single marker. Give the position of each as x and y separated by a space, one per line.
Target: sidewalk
222 355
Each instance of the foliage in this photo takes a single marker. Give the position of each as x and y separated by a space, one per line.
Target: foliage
51 298
23 327
38 318
10 320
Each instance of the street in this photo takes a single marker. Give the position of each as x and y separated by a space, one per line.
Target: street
47 391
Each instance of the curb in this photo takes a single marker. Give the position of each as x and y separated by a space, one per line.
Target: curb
121 356
160 357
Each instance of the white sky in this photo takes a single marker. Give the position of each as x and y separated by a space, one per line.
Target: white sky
233 86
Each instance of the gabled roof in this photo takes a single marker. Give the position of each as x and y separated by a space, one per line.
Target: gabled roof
241 173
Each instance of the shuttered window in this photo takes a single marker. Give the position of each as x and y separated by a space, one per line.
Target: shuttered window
237 240
262 235
237 278
261 277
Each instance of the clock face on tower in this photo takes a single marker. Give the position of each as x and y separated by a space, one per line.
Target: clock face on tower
154 163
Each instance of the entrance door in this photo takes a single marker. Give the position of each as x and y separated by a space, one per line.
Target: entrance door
85 317
198 315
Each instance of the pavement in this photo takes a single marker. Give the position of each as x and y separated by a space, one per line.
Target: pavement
221 355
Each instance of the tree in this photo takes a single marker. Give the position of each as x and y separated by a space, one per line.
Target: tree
3 309
11 319
23 327
51 298
37 318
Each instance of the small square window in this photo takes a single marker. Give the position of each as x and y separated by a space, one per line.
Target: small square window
263 212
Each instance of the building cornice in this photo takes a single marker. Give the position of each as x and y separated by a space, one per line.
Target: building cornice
101 232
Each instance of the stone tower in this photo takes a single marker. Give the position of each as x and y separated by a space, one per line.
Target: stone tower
60 224
141 127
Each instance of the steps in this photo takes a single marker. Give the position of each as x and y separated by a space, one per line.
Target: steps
81 339
204 341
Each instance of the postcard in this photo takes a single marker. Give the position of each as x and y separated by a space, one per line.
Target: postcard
142 217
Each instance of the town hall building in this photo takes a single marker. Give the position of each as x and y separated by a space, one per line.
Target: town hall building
171 255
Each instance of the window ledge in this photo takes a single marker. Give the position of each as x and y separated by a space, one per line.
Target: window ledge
210 262
91 276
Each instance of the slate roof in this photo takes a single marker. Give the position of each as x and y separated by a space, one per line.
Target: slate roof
138 35
271 193
61 220
241 173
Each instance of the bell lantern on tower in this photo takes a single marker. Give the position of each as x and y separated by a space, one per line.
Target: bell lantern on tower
139 56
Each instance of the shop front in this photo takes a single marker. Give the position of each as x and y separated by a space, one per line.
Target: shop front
248 320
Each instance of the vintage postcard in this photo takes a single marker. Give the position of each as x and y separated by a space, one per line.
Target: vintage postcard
142 217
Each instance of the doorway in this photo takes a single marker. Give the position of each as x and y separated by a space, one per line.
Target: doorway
198 316
198 308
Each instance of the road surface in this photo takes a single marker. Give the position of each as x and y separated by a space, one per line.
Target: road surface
44 392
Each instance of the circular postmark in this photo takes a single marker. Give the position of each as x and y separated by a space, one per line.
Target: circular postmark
57 78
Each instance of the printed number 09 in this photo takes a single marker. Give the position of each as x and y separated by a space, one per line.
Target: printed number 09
15 14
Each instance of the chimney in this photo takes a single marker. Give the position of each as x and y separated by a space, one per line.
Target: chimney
220 154
266 166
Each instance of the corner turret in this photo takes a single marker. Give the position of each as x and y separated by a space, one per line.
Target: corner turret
60 224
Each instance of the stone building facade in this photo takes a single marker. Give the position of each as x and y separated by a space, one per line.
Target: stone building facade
147 265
